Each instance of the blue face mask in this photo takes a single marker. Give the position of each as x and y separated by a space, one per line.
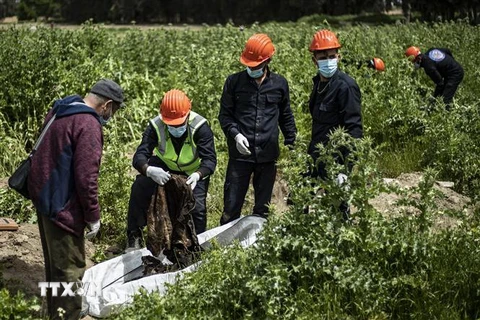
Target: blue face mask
327 67
104 121
255 74
177 132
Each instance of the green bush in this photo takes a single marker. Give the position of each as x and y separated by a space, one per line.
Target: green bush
316 265
305 265
17 306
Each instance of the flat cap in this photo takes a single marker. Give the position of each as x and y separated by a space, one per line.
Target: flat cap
109 89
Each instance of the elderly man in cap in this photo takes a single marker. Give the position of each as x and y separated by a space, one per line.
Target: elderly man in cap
63 185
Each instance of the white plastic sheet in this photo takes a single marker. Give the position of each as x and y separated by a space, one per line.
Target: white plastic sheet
108 286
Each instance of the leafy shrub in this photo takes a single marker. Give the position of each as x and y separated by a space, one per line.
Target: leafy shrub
316 265
17 307
305 265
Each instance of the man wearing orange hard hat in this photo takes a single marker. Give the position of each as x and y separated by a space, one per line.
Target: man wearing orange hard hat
376 64
441 67
255 102
178 141
335 102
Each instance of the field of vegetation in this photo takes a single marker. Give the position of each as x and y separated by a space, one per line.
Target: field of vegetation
304 266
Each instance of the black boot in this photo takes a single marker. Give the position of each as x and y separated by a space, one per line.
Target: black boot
135 240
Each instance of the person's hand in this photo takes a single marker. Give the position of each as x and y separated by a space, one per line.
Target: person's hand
242 144
93 228
193 179
158 175
341 180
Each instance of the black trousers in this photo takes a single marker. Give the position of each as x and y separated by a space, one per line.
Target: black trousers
447 91
140 197
236 185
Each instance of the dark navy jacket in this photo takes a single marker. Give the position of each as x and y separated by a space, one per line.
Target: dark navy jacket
441 67
257 112
337 104
63 181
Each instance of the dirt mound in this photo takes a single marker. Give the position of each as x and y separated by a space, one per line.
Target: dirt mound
21 259
446 199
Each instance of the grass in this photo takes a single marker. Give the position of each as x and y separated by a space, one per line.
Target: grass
400 159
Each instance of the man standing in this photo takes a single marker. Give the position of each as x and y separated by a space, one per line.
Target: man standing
63 185
334 101
254 103
441 67
177 141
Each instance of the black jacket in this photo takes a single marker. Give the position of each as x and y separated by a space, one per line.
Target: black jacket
441 67
336 104
203 139
257 112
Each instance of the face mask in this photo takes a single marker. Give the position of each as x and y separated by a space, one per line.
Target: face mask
104 121
416 64
255 74
177 132
327 67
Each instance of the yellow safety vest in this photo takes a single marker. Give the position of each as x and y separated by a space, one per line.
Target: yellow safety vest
188 160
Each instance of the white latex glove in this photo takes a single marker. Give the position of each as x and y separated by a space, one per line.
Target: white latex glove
242 144
341 180
158 175
93 228
193 179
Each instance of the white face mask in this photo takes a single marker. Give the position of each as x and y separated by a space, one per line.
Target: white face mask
327 67
177 132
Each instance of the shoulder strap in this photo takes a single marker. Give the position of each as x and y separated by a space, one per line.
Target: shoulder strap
43 133
48 126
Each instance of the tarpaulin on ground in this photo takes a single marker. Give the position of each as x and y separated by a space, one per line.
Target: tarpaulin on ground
111 285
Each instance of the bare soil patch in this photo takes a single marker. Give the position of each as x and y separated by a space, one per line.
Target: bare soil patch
21 259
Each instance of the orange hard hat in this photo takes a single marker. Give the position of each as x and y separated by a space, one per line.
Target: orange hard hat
259 48
175 107
378 64
324 40
412 52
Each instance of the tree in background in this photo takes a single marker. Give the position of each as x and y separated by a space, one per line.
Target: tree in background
33 9
7 8
223 11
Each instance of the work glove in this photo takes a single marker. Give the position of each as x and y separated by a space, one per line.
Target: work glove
341 179
93 228
158 175
242 144
193 179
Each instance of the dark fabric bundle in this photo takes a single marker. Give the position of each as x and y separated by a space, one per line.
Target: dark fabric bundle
170 224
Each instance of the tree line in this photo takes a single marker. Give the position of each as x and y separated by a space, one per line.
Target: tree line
223 11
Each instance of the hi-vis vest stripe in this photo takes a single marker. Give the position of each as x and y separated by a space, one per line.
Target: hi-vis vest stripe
188 160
